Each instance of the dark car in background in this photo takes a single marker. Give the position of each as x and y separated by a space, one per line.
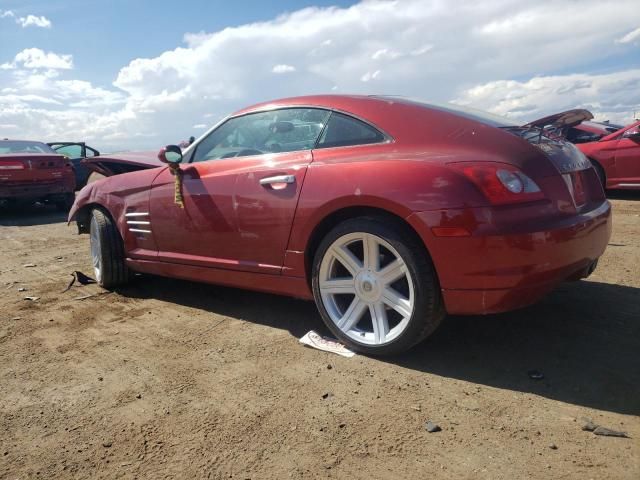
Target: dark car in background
33 171
76 152
590 131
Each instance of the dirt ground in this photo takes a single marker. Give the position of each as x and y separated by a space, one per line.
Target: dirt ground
172 379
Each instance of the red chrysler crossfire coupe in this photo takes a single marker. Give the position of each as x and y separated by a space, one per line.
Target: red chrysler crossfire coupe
388 212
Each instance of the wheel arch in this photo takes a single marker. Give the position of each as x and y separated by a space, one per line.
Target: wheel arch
83 215
332 219
599 169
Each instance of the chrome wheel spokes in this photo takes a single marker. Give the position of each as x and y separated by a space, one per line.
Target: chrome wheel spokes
366 288
96 249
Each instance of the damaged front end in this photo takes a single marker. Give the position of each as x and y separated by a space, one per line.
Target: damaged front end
117 164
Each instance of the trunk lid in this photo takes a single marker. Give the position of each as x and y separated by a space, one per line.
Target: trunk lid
575 170
562 120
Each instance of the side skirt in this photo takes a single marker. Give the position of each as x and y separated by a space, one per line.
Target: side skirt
278 284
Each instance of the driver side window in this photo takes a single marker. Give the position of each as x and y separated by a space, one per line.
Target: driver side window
286 130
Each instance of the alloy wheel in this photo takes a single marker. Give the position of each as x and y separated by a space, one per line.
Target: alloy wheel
366 288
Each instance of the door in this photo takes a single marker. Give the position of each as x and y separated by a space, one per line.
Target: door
240 192
627 158
76 151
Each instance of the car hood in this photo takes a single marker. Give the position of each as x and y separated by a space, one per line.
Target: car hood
117 163
570 118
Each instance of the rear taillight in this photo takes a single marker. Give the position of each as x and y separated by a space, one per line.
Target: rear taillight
11 166
501 183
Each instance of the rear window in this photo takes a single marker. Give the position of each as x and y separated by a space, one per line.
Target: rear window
21 146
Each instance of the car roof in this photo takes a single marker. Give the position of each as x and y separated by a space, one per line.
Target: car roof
20 141
371 107
340 102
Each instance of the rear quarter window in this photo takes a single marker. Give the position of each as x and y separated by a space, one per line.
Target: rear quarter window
343 131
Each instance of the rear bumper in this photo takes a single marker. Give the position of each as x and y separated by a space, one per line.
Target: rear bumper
35 190
503 271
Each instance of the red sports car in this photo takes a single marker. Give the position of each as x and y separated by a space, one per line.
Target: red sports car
33 171
616 157
387 212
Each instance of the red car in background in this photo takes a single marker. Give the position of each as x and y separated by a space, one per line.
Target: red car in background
33 171
387 212
616 157
613 150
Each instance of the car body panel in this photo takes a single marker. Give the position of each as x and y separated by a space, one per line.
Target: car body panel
530 258
229 219
233 231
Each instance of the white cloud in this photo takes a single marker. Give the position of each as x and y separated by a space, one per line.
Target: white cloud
370 76
27 21
495 54
200 126
33 20
283 68
611 96
630 37
385 53
33 58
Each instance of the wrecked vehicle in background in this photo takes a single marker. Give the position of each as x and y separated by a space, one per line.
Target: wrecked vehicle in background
33 171
613 150
76 152
616 157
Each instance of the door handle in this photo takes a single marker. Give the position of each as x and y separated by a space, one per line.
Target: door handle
278 179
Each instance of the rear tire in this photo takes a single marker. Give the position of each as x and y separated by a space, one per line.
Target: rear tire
107 251
382 302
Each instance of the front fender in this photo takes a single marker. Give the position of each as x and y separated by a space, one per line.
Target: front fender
83 199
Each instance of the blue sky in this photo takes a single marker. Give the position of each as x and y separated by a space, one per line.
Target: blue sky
139 74
104 35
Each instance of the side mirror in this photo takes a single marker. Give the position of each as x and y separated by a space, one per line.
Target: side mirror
171 154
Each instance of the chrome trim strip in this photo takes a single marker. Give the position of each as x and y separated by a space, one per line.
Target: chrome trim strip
138 230
137 222
629 184
136 214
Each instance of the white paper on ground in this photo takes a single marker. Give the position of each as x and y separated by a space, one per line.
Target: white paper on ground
326 344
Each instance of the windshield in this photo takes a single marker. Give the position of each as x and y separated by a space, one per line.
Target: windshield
467 112
23 146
